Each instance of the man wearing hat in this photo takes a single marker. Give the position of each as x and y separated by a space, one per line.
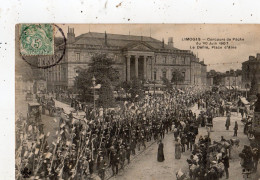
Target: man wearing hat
227 122
128 153
225 160
122 156
256 155
133 146
114 162
101 168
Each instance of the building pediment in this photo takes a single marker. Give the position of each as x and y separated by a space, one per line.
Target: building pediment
142 46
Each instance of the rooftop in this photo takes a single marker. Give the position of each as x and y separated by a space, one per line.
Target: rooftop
119 40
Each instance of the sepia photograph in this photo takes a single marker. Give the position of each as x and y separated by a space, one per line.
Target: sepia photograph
137 101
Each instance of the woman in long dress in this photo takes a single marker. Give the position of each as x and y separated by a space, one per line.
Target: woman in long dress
160 155
178 150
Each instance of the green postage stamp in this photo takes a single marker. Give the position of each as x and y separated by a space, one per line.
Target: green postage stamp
36 39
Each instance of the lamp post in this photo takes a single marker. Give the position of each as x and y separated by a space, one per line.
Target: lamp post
94 83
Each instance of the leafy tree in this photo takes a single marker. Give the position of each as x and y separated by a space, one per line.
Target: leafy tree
126 85
136 90
217 79
177 77
100 67
83 83
167 83
106 96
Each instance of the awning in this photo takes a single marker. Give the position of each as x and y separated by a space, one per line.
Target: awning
154 85
33 104
244 101
151 92
232 87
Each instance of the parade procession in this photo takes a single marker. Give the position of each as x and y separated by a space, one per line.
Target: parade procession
116 106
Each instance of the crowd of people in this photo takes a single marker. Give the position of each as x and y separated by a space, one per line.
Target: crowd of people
103 141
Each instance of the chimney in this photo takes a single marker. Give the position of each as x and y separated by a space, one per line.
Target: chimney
258 56
163 43
170 41
71 35
105 38
251 58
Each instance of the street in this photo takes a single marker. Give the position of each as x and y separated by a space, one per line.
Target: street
146 166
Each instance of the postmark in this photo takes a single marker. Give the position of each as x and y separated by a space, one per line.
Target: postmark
59 50
36 39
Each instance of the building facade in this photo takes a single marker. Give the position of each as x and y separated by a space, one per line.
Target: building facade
250 68
232 79
134 56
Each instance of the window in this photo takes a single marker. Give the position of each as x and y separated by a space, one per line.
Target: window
173 60
165 60
183 74
178 60
77 56
164 74
182 60
154 75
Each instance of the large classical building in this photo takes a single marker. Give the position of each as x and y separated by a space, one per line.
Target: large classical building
250 68
134 56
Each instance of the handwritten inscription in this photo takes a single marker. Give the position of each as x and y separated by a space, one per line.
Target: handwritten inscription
213 43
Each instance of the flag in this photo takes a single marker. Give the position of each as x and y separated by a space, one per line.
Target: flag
41 136
48 134
30 128
60 172
30 155
68 143
58 139
48 155
36 151
25 153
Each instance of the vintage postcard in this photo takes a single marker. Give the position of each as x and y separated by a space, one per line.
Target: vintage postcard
137 101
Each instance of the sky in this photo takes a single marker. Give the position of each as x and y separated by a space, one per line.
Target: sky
214 58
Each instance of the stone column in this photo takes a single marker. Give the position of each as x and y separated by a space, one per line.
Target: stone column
152 67
145 68
128 68
136 66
